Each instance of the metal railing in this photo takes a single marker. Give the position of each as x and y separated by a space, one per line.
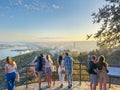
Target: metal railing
27 75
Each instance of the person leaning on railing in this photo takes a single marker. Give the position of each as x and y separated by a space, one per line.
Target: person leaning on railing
39 68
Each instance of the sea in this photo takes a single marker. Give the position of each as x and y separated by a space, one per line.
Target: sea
13 49
17 48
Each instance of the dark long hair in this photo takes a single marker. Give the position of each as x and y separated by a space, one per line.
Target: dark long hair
60 58
102 62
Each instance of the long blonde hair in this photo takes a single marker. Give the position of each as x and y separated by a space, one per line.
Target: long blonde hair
48 57
102 62
9 61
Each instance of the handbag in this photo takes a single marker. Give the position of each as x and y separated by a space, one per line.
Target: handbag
17 77
62 70
52 68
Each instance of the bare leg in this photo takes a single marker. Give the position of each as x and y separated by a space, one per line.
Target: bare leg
100 84
50 78
104 84
94 87
39 81
90 86
53 78
47 77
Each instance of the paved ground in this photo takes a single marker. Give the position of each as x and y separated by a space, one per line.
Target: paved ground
76 86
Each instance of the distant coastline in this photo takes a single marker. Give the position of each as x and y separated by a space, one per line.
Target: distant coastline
17 48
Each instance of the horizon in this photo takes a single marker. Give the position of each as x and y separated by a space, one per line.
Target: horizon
45 41
50 20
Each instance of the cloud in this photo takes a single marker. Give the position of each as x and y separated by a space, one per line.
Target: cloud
48 38
36 5
55 6
20 2
11 16
1 15
27 6
33 4
4 7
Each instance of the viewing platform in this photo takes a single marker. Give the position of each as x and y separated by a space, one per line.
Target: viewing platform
81 79
76 86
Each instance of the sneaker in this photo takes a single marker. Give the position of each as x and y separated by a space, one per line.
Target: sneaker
69 87
61 85
53 83
40 89
48 86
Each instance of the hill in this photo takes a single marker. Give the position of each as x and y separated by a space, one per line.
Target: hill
114 58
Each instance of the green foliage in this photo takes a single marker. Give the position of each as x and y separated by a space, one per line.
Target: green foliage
114 58
75 54
82 57
109 34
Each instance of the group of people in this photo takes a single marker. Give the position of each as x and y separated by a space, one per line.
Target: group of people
98 69
42 65
46 65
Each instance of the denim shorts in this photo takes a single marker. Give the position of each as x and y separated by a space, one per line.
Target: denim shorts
48 70
94 79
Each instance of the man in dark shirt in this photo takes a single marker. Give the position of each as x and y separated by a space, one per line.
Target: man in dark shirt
93 73
39 68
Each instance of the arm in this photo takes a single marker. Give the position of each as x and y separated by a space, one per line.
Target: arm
6 69
58 62
36 59
15 65
63 63
51 62
106 67
72 61
95 68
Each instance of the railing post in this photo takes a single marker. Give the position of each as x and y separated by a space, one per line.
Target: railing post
80 73
26 77
109 81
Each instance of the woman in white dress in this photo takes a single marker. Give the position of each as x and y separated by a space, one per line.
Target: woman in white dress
61 70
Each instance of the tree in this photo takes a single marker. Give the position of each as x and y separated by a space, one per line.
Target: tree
75 54
109 18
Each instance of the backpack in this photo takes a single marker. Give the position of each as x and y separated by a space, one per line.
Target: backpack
39 64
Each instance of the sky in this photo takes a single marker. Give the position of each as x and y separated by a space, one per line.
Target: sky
47 20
